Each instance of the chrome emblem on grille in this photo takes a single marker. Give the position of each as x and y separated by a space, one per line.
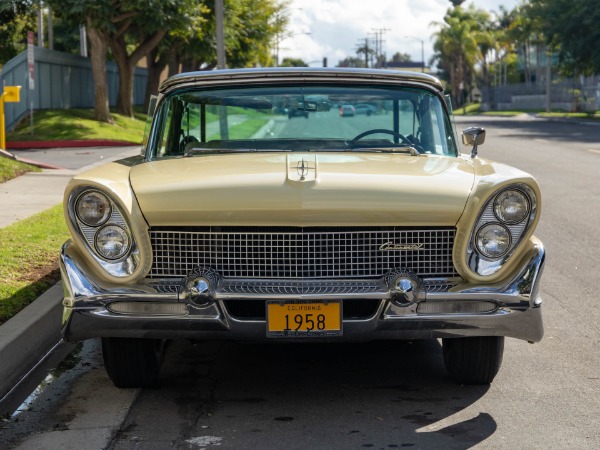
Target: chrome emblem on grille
302 168
392 246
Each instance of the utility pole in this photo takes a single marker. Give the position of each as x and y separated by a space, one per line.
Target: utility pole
548 80
82 41
364 48
40 18
219 19
379 33
221 63
50 29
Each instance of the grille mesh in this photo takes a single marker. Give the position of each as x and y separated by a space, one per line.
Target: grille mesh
301 252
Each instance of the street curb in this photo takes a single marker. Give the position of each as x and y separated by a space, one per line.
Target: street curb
26 339
25 145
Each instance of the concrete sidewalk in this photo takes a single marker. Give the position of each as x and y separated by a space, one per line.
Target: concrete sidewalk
34 192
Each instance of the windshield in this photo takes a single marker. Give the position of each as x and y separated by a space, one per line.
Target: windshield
302 118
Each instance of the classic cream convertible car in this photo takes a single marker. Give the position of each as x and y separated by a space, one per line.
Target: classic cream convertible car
237 222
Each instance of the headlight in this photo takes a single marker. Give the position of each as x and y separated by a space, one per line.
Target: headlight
511 206
93 208
112 242
493 240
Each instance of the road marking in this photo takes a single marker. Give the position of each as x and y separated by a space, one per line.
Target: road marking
540 140
593 151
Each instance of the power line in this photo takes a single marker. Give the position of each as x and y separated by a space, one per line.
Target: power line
379 41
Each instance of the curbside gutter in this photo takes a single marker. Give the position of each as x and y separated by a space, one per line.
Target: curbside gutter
30 345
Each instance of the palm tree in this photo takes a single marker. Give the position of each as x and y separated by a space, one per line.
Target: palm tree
457 49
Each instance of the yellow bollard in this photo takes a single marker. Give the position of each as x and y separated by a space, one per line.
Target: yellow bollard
11 94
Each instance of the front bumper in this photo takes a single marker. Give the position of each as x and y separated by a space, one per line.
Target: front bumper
166 311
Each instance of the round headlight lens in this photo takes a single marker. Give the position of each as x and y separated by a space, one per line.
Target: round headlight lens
93 208
493 240
112 242
511 206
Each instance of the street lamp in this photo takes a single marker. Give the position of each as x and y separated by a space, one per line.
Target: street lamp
422 51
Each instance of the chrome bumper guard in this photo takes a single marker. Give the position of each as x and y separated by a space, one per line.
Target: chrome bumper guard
196 307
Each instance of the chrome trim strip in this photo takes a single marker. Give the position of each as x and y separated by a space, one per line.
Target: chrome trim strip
321 75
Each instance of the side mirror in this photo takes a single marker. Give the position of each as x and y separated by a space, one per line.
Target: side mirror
473 136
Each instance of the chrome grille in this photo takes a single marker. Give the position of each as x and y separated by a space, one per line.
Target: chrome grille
301 252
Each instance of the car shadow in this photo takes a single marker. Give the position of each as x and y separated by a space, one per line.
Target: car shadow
562 130
392 394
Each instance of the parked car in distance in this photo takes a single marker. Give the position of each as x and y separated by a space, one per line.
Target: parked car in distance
296 112
235 223
364 108
347 111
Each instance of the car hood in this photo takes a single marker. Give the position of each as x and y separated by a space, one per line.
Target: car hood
307 189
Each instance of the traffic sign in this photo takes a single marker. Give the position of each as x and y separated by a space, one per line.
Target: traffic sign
30 60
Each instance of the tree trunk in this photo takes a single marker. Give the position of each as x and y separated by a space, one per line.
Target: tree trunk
174 63
124 96
126 64
156 64
98 56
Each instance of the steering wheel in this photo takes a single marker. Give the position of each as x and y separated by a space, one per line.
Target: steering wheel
184 141
380 130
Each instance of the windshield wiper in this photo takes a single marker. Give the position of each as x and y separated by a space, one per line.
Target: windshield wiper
405 149
199 150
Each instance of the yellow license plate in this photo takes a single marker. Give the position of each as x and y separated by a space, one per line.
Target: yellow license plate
304 318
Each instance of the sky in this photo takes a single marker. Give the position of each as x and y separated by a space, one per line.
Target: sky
333 28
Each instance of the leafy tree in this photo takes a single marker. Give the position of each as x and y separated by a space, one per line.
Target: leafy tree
351 62
401 57
293 62
131 29
367 50
66 36
463 39
250 26
571 28
16 18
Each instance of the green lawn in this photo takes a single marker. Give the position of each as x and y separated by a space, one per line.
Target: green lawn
246 129
9 169
75 124
473 108
579 115
29 251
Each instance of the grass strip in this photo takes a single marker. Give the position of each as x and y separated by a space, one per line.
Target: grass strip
579 115
246 129
473 108
76 124
9 169
29 251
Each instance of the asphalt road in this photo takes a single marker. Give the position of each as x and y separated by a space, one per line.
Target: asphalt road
378 395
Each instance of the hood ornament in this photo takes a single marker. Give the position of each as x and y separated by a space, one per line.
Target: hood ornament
303 169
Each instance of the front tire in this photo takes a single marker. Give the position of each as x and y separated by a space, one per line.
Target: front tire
473 360
132 362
